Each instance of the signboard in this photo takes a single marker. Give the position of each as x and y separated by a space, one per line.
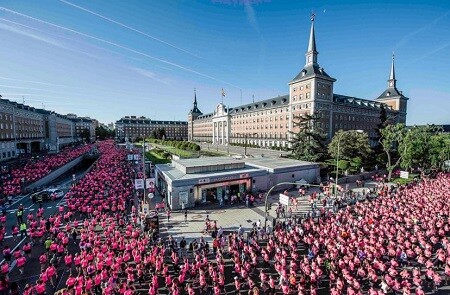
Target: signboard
139 183
244 175
284 199
203 181
183 197
136 157
145 208
404 174
130 157
150 184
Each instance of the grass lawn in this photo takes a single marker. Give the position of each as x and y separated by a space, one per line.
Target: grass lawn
155 158
207 153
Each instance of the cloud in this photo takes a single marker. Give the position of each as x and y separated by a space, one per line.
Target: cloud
46 40
31 35
432 52
34 82
149 74
119 46
27 88
128 27
410 35
251 16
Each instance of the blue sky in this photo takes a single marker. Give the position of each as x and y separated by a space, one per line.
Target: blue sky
107 59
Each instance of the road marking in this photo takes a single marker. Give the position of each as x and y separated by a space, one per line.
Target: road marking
19 200
50 207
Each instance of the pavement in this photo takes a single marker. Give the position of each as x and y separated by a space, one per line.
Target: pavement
230 217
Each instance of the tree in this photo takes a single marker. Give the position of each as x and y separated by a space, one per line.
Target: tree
354 147
102 133
422 147
392 138
383 122
439 150
85 135
308 144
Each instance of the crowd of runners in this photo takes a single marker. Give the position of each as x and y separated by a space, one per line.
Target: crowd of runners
14 180
397 243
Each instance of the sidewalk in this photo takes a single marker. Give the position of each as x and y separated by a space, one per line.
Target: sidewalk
229 217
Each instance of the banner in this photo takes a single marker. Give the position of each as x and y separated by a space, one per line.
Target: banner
284 199
150 184
139 183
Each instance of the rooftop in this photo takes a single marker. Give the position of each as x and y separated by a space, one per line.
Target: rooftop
273 164
204 165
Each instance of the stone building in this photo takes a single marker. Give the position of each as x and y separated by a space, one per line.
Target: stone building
132 127
25 129
268 123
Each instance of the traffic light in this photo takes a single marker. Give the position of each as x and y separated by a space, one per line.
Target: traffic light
269 207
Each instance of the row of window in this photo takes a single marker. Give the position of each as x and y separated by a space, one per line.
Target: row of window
301 87
6 155
300 97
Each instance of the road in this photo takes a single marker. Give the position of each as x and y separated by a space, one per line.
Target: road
239 150
32 269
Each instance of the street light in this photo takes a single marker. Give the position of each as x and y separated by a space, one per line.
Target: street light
143 166
337 156
245 140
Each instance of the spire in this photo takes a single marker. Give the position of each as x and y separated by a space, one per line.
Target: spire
195 99
392 75
392 81
312 36
311 54
195 109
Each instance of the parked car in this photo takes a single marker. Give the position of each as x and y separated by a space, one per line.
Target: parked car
46 195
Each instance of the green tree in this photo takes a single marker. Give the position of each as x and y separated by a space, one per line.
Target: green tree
308 144
85 135
102 133
352 144
439 150
392 138
420 150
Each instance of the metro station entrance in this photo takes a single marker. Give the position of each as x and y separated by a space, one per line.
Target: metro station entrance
214 192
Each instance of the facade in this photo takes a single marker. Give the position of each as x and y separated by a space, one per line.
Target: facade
268 123
200 180
24 129
132 127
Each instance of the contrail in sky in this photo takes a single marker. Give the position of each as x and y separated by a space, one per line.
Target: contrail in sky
118 46
128 27
34 82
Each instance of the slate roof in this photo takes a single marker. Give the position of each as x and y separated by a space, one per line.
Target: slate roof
344 99
310 71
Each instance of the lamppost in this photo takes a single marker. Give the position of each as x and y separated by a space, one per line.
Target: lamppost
337 157
143 168
245 140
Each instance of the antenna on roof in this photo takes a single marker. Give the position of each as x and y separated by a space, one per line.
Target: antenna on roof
253 96
23 99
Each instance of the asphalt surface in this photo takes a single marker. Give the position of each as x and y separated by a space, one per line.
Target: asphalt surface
32 267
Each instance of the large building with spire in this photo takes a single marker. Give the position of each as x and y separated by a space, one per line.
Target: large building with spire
268 123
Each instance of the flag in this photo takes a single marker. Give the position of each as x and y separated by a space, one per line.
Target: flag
223 93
